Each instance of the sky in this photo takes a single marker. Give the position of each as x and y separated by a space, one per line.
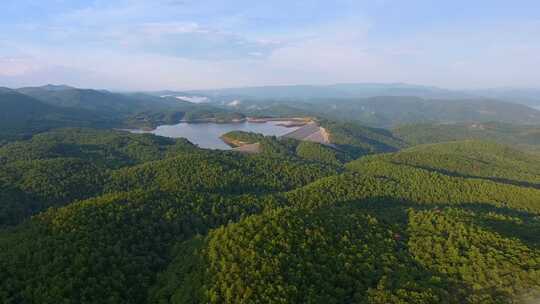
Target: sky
196 44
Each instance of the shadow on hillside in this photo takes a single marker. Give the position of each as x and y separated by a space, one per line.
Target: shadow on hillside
509 223
518 224
394 213
493 179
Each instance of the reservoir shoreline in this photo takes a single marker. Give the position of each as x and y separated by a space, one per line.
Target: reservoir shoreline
208 134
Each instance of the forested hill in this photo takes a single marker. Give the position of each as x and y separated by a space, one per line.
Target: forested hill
511 134
94 216
392 111
22 115
30 110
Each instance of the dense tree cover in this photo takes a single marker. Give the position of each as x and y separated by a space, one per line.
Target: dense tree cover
58 167
40 184
100 102
510 134
417 185
215 172
168 191
28 111
184 111
101 147
148 120
474 159
358 140
340 255
131 109
237 138
466 239
107 249
22 116
15 204
493 268
321 153
271 145
126 218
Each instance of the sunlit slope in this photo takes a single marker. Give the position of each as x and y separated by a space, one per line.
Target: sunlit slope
382 233
175 224
478 159
524 136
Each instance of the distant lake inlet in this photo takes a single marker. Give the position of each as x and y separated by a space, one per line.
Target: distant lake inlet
207 135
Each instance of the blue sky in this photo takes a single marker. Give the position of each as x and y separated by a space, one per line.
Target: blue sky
182 44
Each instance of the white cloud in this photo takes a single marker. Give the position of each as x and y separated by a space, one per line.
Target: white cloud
169 28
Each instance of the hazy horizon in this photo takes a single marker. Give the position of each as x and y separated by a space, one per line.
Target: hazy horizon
184 45
120 90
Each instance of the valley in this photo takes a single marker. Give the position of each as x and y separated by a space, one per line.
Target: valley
208 134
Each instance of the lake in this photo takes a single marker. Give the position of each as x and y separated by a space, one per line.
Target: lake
207 135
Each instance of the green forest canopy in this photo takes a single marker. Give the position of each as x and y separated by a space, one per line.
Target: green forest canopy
94 216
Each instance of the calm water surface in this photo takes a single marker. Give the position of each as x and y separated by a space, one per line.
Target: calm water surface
206 135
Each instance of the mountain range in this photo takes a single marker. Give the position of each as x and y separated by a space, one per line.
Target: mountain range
33 109
363 90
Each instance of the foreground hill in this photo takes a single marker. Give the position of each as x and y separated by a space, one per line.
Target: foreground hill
58 167
381 233
124 218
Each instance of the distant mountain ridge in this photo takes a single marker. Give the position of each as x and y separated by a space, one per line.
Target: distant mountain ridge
530 97
89 99
371 104
526 96
391 111
22 114
343 90
29 110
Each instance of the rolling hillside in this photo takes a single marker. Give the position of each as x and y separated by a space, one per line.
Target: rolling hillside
166 222
99 101
27 111
527 137
423 213
22 115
